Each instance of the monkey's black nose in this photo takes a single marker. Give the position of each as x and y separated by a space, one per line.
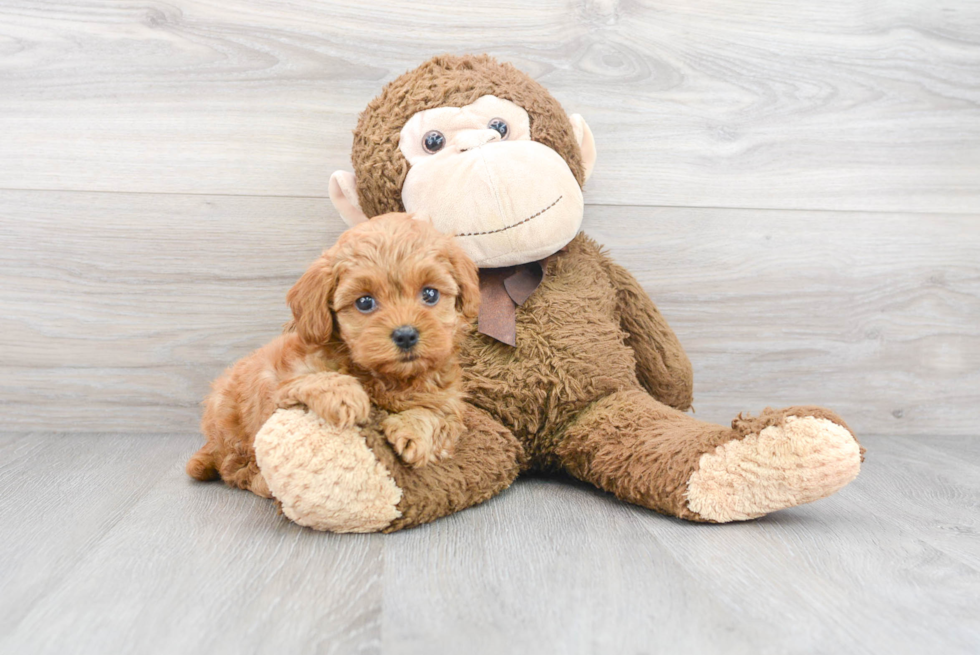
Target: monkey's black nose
405 337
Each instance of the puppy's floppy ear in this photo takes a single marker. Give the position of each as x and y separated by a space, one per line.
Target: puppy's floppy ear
309 300
467 278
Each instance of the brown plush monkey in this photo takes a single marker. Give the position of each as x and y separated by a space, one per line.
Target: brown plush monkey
573 368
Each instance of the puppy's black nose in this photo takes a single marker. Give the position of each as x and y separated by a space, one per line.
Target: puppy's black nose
405 337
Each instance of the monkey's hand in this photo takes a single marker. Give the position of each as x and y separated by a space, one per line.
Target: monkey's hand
336 398
662 366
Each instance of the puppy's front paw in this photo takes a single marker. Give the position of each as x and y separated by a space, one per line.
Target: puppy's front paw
345 404
412 438
338 399
344 410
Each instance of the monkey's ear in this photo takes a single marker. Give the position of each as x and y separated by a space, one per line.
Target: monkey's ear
585 143
309 300
343 195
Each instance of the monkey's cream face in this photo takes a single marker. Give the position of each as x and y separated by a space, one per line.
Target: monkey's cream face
478 175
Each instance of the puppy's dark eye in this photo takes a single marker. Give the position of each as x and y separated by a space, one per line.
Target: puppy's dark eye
430 296
499 125
366 304
433 141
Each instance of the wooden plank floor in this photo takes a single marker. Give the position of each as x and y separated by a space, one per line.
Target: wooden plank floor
106 547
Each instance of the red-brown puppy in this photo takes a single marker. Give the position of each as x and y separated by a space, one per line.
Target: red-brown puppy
378 319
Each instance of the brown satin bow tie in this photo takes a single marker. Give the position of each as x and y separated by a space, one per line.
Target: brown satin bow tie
502 291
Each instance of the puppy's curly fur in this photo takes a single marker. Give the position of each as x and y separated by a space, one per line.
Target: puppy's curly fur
340 359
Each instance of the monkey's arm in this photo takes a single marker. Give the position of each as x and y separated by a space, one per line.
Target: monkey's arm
661 363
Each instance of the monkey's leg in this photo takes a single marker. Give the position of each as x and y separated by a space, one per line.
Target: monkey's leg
652 455
350 480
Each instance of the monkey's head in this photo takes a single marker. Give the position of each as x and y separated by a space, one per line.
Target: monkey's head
481 149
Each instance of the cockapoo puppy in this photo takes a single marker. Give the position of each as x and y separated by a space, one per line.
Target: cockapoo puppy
377 320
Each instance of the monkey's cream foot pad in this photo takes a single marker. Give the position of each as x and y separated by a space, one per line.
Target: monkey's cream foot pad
799 461
325 477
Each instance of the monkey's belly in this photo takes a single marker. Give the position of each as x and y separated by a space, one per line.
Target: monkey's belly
570 352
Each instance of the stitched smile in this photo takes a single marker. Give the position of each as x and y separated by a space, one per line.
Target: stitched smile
504 229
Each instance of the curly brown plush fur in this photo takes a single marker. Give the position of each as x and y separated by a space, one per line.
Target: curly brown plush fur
572 349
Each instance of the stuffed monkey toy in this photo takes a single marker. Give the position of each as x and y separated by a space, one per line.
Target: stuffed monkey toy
571 368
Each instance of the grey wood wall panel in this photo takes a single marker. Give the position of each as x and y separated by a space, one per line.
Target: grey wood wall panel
120 308
876 315
108 547
831 105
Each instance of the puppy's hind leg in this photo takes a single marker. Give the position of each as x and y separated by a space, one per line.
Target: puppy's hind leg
236 468
239 469
202 465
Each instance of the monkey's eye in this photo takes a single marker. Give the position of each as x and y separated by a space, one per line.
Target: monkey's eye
433 141
499 125
430 296
366 304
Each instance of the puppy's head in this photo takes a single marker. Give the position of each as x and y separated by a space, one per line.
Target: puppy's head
397 292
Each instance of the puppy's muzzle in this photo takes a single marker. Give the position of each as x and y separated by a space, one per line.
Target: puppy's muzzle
405 337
